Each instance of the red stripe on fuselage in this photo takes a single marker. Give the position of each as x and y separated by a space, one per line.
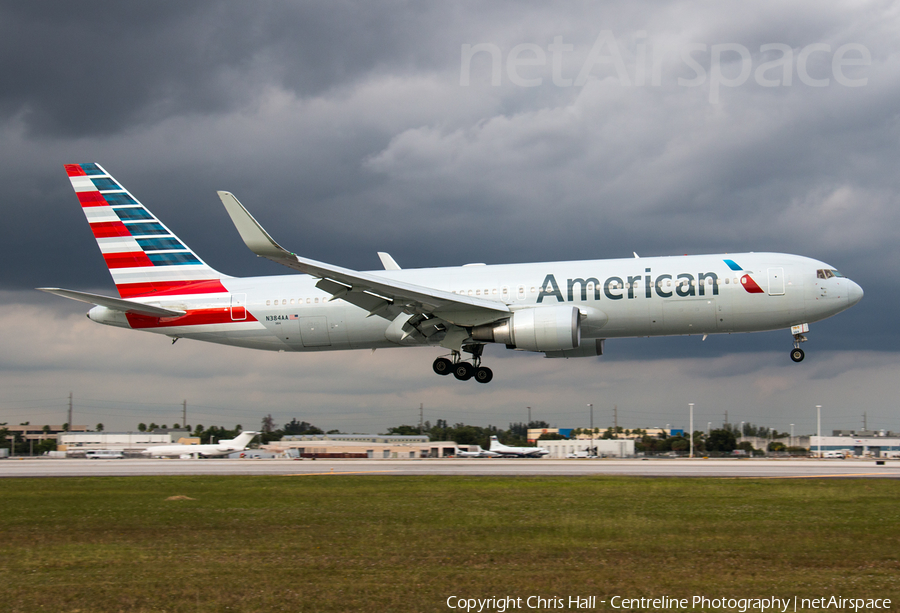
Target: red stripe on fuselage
130 259
171 288
199 317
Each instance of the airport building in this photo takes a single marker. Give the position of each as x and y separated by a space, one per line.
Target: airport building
40 433
609 448
79 443
863 444
534 434
371 446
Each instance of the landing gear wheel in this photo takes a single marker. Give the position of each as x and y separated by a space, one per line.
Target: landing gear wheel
483 374
442 366
797 354
463 371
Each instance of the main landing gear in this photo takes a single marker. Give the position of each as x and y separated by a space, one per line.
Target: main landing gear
464 370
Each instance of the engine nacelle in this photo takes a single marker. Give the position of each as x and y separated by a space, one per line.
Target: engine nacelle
556 328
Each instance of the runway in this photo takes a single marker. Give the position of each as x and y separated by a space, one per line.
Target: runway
698 467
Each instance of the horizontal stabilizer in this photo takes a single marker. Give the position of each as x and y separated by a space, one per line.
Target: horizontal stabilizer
116 304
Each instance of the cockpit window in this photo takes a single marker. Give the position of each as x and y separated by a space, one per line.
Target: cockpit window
825 273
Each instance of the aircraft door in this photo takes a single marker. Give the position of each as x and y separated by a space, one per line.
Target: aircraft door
238 307
776 281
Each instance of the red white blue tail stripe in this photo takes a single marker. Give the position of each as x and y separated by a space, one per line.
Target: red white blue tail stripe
143 256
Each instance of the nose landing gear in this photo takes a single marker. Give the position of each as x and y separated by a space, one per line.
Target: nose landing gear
463 370
797 354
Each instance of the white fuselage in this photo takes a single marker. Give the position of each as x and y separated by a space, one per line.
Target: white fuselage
210 450
633 297
519 452
221 448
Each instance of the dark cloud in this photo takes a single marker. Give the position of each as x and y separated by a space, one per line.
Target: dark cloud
108 66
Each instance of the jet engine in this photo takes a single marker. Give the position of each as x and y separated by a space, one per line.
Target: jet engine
555 328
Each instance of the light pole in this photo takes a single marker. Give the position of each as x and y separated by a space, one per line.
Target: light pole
819 429
742 432
591 407
708 426
691 433
792 435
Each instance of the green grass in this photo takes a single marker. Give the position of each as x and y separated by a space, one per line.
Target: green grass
367 543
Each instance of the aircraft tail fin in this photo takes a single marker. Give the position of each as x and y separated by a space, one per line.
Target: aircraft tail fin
143 256
243 439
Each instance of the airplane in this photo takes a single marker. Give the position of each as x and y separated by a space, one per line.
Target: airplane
223 447
560 309
516 452
477 453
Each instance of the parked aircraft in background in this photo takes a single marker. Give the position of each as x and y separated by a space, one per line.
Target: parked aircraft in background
478 452
224 447
516 452
560 309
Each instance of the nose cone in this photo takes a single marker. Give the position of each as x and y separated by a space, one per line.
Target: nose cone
855 293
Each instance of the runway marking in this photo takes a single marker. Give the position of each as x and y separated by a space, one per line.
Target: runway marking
880 474
348 472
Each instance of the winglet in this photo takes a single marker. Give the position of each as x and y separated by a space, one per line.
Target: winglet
255 237
387 261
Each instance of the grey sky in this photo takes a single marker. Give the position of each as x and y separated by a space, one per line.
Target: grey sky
346 130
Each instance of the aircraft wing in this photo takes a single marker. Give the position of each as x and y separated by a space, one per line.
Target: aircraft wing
376 294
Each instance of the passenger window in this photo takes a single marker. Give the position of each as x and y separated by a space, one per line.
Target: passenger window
477 292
